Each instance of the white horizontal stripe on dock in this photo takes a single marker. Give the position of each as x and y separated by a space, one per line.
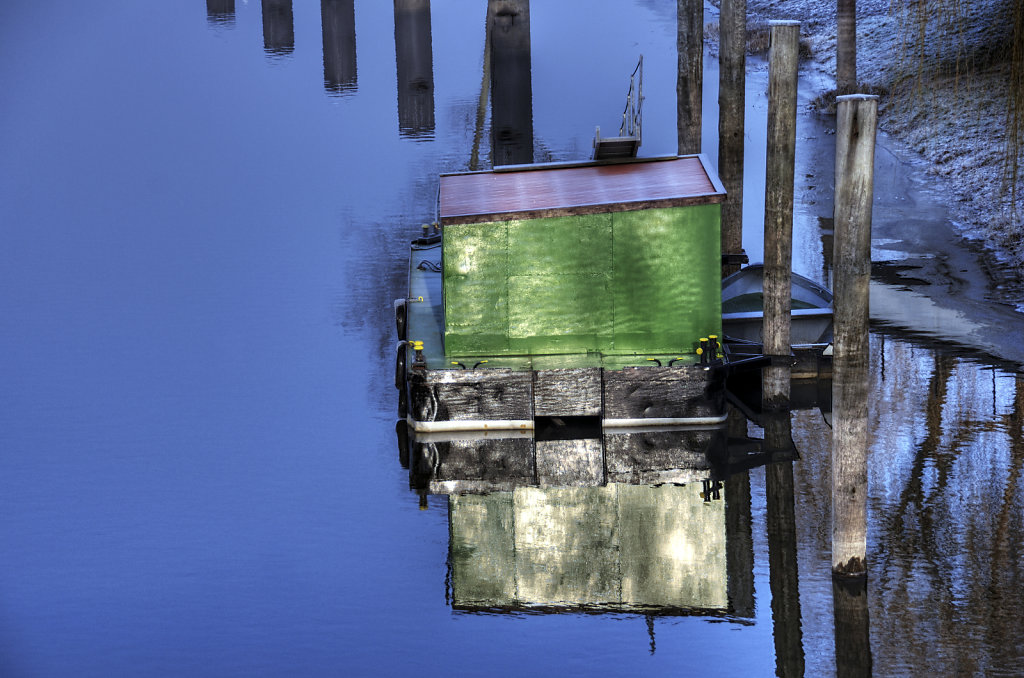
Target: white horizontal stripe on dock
527 424
664 421
472 425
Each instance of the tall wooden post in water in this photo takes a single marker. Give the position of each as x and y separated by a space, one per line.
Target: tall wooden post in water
690 79
778 207
731 109
857 122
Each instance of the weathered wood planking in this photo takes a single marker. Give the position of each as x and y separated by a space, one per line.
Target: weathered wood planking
559 191
567 392
570 463
451 395
505 394
486 464
483 465
657 392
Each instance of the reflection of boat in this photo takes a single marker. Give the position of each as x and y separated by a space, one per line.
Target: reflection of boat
743 308
581 291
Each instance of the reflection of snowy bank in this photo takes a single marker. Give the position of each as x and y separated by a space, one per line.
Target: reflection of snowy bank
920 314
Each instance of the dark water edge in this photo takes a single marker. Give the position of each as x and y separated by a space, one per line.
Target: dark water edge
204 225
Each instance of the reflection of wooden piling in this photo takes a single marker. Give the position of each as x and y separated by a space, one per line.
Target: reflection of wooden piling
856 124
508 23
338 21
690 79
739 546
415 64
220 11
731 107
853 639
782 551
278 27
778 206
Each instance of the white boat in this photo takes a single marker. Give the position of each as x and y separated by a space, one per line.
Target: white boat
743 308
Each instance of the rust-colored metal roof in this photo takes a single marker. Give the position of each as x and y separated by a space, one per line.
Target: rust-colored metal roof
533 192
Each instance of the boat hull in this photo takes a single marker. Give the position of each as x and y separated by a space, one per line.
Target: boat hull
743 308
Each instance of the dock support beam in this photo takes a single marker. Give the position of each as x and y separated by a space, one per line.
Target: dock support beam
856 125
731 109
690 79
778 207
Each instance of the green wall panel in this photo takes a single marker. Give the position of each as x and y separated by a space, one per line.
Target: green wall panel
570 246
666 282
645 282
559 313
475 264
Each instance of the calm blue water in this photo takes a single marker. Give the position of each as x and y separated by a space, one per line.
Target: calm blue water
198 470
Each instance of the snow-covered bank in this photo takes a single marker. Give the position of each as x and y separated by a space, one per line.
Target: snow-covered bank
947 103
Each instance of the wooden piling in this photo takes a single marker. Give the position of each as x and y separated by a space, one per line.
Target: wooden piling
731 109
690 79
857 121
778 207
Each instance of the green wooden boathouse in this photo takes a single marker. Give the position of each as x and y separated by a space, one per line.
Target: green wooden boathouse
567 290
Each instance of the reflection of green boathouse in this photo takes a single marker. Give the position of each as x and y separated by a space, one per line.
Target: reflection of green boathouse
628 548
635 521
567 291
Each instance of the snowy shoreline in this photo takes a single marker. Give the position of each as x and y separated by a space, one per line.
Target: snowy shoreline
950 115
